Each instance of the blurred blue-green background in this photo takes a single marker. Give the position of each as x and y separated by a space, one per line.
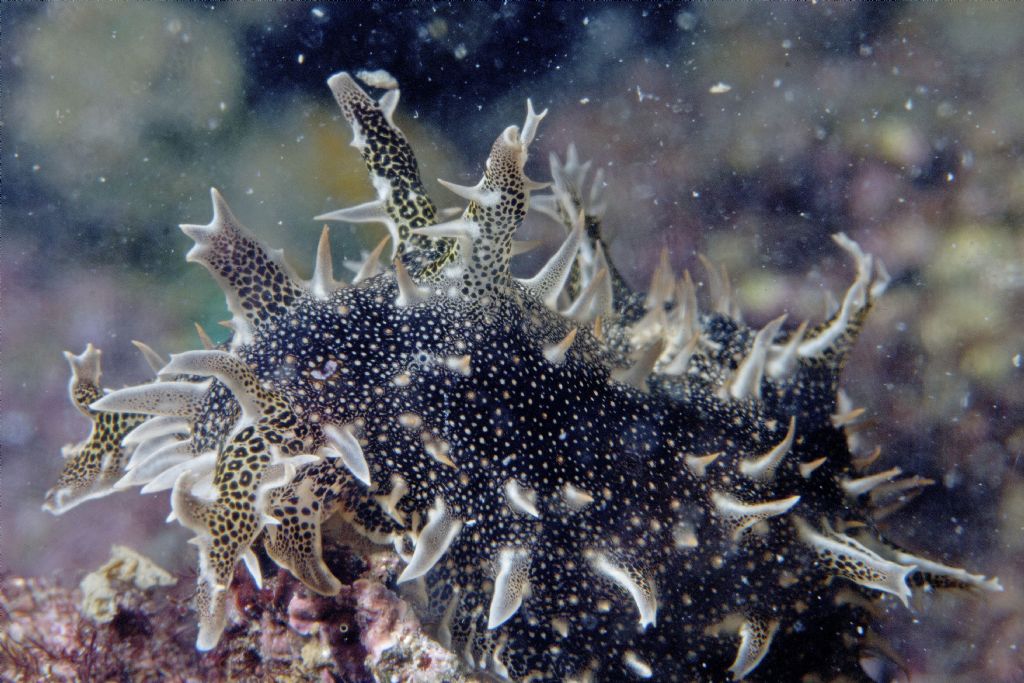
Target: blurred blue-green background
749 132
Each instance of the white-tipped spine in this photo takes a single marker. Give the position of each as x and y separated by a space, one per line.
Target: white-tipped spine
153 359
154 428
475 193
640 371
521 499
172 399
764 466
862 485
783 359
756 636
640 588
583 309
746 382
409 293
745 515
433 542
323 284
555 353
510 586
371 266
548 283
341 443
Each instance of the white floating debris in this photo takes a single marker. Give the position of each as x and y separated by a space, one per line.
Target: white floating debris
719 88
379 78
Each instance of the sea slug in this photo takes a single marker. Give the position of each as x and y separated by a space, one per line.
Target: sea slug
585 482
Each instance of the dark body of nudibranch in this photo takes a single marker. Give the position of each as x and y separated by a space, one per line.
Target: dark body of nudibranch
585 483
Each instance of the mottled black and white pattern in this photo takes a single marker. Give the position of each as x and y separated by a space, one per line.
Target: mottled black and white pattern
585 482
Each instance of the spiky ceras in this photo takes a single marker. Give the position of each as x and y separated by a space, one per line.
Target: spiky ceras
584 481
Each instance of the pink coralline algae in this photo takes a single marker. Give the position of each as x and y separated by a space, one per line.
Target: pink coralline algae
581 481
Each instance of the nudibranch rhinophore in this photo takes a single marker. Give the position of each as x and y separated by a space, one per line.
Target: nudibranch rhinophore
584 482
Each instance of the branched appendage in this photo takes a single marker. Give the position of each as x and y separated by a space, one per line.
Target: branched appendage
585 483
570 199
93 467
250 466
256 281
497 206
402 203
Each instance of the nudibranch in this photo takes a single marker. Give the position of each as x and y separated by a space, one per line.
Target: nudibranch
584 482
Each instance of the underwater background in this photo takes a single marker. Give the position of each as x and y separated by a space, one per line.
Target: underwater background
746 132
